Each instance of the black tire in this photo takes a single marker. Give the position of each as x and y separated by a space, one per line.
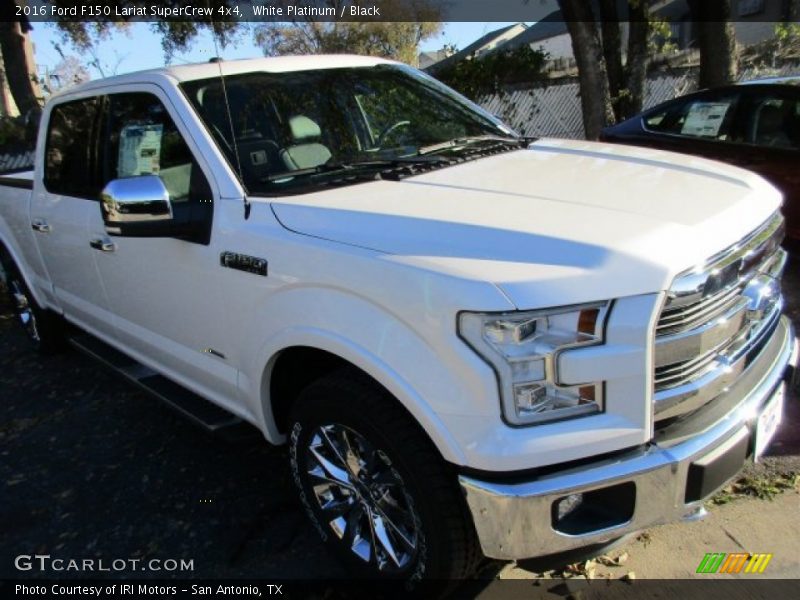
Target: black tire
43 328
415 486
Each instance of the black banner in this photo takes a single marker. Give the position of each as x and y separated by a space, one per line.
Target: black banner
350 10
735 588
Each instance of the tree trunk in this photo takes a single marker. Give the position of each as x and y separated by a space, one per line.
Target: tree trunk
792 11
592 75
5 105
716 41
612 52
636 65
21 80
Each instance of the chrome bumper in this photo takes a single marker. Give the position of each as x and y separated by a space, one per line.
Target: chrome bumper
518 520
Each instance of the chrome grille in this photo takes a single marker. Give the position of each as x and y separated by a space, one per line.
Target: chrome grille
715 319
681 318
685 371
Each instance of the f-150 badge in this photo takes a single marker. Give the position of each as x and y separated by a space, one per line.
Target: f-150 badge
244 262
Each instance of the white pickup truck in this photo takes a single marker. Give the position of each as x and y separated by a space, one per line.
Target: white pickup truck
473 343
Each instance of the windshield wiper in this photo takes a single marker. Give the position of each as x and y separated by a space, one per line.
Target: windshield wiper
471 140
357 167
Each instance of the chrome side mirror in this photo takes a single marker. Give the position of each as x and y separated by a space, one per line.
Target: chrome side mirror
132 201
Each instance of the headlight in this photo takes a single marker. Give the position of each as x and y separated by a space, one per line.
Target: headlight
523 348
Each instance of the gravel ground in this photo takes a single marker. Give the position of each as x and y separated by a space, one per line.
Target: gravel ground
91 467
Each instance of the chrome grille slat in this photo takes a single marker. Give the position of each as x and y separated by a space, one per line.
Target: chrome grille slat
670 311
702 311
685 369
713 316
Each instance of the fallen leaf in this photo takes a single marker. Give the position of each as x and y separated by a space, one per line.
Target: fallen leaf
628 577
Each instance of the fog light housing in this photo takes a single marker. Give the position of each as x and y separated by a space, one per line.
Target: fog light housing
565 506
593 511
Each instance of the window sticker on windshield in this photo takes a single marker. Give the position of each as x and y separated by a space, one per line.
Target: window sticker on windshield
139 150
705 119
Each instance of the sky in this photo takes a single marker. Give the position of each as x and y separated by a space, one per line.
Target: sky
141 49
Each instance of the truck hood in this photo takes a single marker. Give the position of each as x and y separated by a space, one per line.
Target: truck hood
557 223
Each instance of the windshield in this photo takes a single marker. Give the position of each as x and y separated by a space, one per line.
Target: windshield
290 129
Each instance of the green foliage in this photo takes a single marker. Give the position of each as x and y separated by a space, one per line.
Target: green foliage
17 134
659 39
764 58
394 40
176 36
763 487
487 74
787 32
398 37
12 131
787 36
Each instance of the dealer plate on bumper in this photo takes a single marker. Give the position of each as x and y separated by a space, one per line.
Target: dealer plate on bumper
768 421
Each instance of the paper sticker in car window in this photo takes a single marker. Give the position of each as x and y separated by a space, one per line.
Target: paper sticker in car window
704 119
139 150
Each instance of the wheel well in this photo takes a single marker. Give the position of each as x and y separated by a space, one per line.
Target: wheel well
292 371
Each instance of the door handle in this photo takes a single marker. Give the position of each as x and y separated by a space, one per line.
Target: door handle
104 245
41 226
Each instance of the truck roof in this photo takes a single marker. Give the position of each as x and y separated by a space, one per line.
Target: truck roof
276 64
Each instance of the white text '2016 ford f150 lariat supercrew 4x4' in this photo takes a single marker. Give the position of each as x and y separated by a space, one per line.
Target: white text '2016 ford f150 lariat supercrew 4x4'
473 343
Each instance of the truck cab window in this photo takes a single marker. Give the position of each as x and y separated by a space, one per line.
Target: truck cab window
276 129
70 157
143 140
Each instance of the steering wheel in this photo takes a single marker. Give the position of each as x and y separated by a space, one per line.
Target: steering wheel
387 131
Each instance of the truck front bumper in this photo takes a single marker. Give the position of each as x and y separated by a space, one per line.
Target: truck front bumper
604 500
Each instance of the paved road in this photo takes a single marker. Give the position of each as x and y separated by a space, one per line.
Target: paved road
90 467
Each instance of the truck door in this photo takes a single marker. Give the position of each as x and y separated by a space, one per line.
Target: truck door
167 301
65 202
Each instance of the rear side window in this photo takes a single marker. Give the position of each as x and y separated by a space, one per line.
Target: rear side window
707 118
70 157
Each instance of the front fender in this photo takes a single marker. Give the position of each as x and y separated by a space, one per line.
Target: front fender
431 377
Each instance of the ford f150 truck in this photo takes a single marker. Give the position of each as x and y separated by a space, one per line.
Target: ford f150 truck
474 344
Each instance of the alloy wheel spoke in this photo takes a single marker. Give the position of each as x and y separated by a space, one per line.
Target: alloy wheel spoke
341 457
396 530
381 536
347 446
320 474
23 310
338 474
353 518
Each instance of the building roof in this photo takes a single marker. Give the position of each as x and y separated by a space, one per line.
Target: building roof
427 59
550 26
476 46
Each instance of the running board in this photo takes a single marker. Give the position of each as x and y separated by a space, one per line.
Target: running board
200 411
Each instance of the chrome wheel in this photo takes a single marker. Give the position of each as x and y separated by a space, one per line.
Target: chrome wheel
362 497
23 307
